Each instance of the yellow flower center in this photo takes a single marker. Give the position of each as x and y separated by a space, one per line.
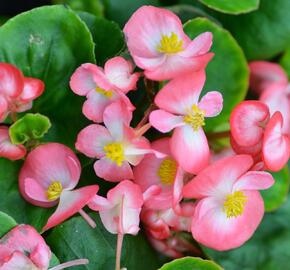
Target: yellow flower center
170 44
54 190
195 117
234 204
106 93
115 152
167 171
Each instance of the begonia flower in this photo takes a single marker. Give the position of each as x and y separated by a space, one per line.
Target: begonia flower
116 145
158 44
7 149
181 110
48 177
23 248
16 91
104 86
229 206
120 211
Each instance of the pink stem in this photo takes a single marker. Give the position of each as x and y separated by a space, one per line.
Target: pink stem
69 264
87 218
119 250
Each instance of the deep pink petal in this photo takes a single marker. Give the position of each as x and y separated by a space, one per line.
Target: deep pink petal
181 93
247 121
190 148
33 88
70 203
254 150
211 103
218 178
110 171
3 108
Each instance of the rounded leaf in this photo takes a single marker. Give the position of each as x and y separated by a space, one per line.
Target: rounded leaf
6 223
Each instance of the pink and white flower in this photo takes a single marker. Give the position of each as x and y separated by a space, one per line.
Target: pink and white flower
120 211
180 110
158 44
7 149
16 91
104 86
229 206
116 145
48 177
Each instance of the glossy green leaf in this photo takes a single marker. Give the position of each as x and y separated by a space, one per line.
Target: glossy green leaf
49 43
191 263
107 36
263 33
54 261
6 223
285 61
29 127
227 72
75 239
275 196
268 249
12 203
232 7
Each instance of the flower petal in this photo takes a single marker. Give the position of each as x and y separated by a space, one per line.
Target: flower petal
3 108
70 203
33 88
190 148
18 261
211 103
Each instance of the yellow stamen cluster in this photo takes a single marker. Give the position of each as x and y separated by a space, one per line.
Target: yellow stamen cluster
234 204
106 93
167 171
54 190
170 44
115 152
195 117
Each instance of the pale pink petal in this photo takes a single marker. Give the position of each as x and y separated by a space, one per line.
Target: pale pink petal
276 145
11 80
190 148
70 203
3 108
181 93
99 203
110 171
211 103
18 261
212 228
263 74
247 122
33 88
92 139
7 149
164 121
22 106
218 178
254 180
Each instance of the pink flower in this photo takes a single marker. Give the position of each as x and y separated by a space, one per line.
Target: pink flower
23 248
158 44
180 110
120 211
116 146
104 86
16 91
229 206
7 149
48 177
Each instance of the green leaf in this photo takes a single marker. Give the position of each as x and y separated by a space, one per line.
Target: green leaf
190 263
232 7
29 127
6 224
54 261
120 12
263 33
285 61
107 35
49 43
268 249
227 72
277 194
75 239
11 201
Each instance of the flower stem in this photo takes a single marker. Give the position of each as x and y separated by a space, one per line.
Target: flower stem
13 116
218 135
119 250
87 218
144 120
69 264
